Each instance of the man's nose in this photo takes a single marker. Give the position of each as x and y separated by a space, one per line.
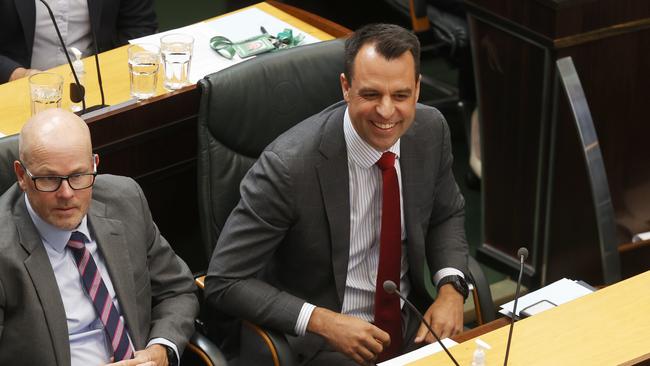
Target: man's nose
386 108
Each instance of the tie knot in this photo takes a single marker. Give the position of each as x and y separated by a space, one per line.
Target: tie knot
387 161
77 240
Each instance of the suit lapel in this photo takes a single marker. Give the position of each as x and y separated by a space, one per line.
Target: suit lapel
111 240
334 182
412 166
27 14
40 271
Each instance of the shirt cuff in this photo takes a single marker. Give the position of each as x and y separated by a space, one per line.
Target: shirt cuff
303 318
447 271
167 343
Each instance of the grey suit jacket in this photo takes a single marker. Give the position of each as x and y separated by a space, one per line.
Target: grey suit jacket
154 287
287 241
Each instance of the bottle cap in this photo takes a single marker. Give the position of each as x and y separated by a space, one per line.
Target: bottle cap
77 64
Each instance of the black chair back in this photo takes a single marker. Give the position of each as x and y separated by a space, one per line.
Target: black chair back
245 107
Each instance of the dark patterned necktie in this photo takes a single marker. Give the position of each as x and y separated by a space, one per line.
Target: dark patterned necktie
98 293
387 309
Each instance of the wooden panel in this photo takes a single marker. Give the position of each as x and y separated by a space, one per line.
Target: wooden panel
618 105
511 82
556 19
515 46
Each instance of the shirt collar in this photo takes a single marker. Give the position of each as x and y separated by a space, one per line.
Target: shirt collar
51 235
359 151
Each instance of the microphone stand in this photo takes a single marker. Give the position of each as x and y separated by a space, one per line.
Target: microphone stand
391 288
99 73
80 91
523 254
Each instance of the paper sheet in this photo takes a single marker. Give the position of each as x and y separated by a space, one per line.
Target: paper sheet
558 292
419 353
236 27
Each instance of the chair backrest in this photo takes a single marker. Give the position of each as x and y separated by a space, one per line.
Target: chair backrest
245 107
595 165
8 154
446 20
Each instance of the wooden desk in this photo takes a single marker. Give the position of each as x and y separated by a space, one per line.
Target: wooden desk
529 198
608 327
153 141
14 109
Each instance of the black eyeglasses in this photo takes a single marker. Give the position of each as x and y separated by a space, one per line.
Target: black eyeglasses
52 183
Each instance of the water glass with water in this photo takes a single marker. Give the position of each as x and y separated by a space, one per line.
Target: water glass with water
46 90
144 62
176 49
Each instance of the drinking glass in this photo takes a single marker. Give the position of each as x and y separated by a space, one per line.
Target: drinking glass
45 89
176 49
144 62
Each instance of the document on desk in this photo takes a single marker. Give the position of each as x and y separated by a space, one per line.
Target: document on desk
419 353
236 27
558 292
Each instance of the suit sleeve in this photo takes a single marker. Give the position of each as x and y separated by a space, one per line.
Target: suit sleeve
136 18
251 235
445 241
174 305
7 66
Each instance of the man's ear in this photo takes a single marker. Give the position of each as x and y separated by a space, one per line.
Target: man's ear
21 176
345 87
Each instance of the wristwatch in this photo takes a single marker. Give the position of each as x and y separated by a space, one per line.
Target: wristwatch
171 356
458 282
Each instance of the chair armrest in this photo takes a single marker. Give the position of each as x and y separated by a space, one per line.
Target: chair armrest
200 350
259 344
483 303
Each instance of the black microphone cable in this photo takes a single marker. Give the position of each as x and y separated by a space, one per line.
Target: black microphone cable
391 288
523 254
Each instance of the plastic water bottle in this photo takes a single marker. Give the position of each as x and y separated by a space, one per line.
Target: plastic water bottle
479 353
78 67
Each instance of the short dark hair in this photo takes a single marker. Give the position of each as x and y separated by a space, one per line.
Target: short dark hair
390 40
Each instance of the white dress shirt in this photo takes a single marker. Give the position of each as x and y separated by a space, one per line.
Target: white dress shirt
89 344
365 229
73 20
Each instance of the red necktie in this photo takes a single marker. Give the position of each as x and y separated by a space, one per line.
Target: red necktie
387 310
98 293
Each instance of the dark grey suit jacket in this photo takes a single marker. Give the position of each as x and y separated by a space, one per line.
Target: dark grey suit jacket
287 241
115 21
154 287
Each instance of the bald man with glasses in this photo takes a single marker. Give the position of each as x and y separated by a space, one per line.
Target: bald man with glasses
85 276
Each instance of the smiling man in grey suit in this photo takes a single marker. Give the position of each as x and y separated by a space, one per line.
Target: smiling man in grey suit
85 276
320 225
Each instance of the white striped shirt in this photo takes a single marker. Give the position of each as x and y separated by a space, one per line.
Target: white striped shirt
365 228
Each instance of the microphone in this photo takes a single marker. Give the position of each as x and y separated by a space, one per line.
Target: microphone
77 91
391 288
522 253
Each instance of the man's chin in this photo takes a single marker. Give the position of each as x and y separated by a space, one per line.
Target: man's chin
67 222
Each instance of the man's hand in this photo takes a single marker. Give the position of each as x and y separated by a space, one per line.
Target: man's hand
445 316
356 338
154 355
22 72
